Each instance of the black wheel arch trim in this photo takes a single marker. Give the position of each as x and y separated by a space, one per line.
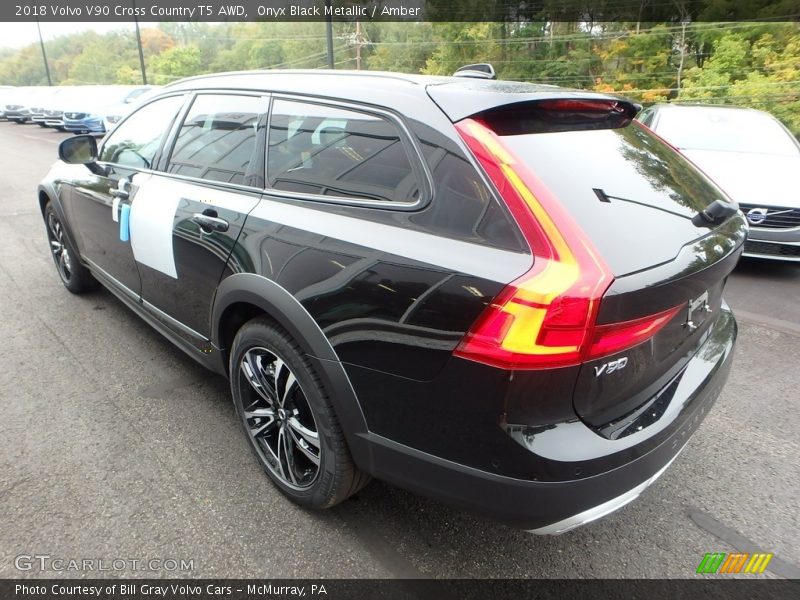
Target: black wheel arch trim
277 303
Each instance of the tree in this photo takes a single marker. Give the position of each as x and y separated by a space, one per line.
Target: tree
175 63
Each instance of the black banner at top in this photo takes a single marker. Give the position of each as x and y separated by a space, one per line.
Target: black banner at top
399 10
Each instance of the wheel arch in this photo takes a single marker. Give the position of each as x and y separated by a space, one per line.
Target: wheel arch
244 296
46 192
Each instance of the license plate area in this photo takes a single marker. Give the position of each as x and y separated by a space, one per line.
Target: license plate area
699 310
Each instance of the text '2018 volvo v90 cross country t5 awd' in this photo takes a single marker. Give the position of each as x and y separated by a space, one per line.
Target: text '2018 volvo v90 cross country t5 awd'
502 295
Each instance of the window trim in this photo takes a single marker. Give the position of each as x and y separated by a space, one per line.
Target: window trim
154 167
166 154
418 165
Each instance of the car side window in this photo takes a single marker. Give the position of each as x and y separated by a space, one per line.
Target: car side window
328 151
136 140
217 139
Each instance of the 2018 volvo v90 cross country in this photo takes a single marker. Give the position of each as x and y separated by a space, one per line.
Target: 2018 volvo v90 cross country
502 295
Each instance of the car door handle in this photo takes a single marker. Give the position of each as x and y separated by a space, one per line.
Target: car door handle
122 191
208 223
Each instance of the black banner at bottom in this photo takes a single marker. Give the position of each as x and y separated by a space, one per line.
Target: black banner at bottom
391 589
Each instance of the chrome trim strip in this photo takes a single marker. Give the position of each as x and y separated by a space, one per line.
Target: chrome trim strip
172 321
601 510
113 280
157 312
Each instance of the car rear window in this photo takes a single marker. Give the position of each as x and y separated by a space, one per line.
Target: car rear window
632 194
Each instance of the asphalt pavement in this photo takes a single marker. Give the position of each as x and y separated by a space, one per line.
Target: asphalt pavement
115 445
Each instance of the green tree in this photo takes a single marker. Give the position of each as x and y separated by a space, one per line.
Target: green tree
175 63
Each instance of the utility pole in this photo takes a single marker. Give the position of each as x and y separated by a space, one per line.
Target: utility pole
44 54
358 45
358 39
329 32
139 43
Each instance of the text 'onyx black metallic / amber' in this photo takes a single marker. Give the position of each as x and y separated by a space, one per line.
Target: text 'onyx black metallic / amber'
502 295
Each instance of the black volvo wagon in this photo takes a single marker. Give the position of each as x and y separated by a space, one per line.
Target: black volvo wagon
506 296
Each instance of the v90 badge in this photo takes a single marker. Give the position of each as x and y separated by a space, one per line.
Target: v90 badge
611 366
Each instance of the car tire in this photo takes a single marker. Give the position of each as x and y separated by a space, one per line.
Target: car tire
288 418
75 277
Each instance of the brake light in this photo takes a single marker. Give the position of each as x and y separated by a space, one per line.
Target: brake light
546 317
616 337
577 105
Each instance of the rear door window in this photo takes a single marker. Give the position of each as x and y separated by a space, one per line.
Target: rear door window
217 139
345 154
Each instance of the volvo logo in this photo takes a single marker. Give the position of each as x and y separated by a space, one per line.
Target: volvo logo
757 215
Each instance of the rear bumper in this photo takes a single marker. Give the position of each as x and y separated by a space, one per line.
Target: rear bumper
601 510
550 507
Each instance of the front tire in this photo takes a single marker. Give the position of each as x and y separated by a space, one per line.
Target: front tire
288 418
75 277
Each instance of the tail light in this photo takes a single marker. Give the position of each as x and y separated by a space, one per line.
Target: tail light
546 318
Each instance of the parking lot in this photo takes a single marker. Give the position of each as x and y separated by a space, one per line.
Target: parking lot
114 444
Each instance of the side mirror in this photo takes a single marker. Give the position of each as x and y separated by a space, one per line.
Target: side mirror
81 150
78 150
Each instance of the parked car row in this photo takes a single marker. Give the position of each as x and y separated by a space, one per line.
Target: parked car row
79 109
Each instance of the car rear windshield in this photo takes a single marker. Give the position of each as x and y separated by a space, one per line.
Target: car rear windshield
727 129
633 195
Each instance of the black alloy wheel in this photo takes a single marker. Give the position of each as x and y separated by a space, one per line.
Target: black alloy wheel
279 419
289 420
76 278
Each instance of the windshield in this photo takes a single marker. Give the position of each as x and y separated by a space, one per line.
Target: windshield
726 129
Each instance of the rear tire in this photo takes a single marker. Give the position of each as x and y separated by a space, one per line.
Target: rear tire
288 418
75 277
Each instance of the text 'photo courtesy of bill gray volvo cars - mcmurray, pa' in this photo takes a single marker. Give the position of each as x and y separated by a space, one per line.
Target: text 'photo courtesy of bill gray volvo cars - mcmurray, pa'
505 296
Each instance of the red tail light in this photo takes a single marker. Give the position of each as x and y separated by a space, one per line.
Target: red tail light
610 339
547 317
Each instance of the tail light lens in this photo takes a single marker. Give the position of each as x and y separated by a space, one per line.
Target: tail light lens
616 337
546 318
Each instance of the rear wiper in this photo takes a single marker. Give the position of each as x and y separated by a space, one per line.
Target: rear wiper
715 213
603 197
712 215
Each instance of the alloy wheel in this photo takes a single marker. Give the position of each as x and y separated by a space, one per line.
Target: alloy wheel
278 419
55 234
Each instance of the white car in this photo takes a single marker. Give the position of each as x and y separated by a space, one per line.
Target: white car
116 113
751 156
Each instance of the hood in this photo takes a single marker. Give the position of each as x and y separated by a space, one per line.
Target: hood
768 179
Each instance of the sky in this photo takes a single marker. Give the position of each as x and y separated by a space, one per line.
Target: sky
16 35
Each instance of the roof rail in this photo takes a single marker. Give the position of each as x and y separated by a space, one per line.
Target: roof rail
478 71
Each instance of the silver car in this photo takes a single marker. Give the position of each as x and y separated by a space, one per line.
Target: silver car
752 156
